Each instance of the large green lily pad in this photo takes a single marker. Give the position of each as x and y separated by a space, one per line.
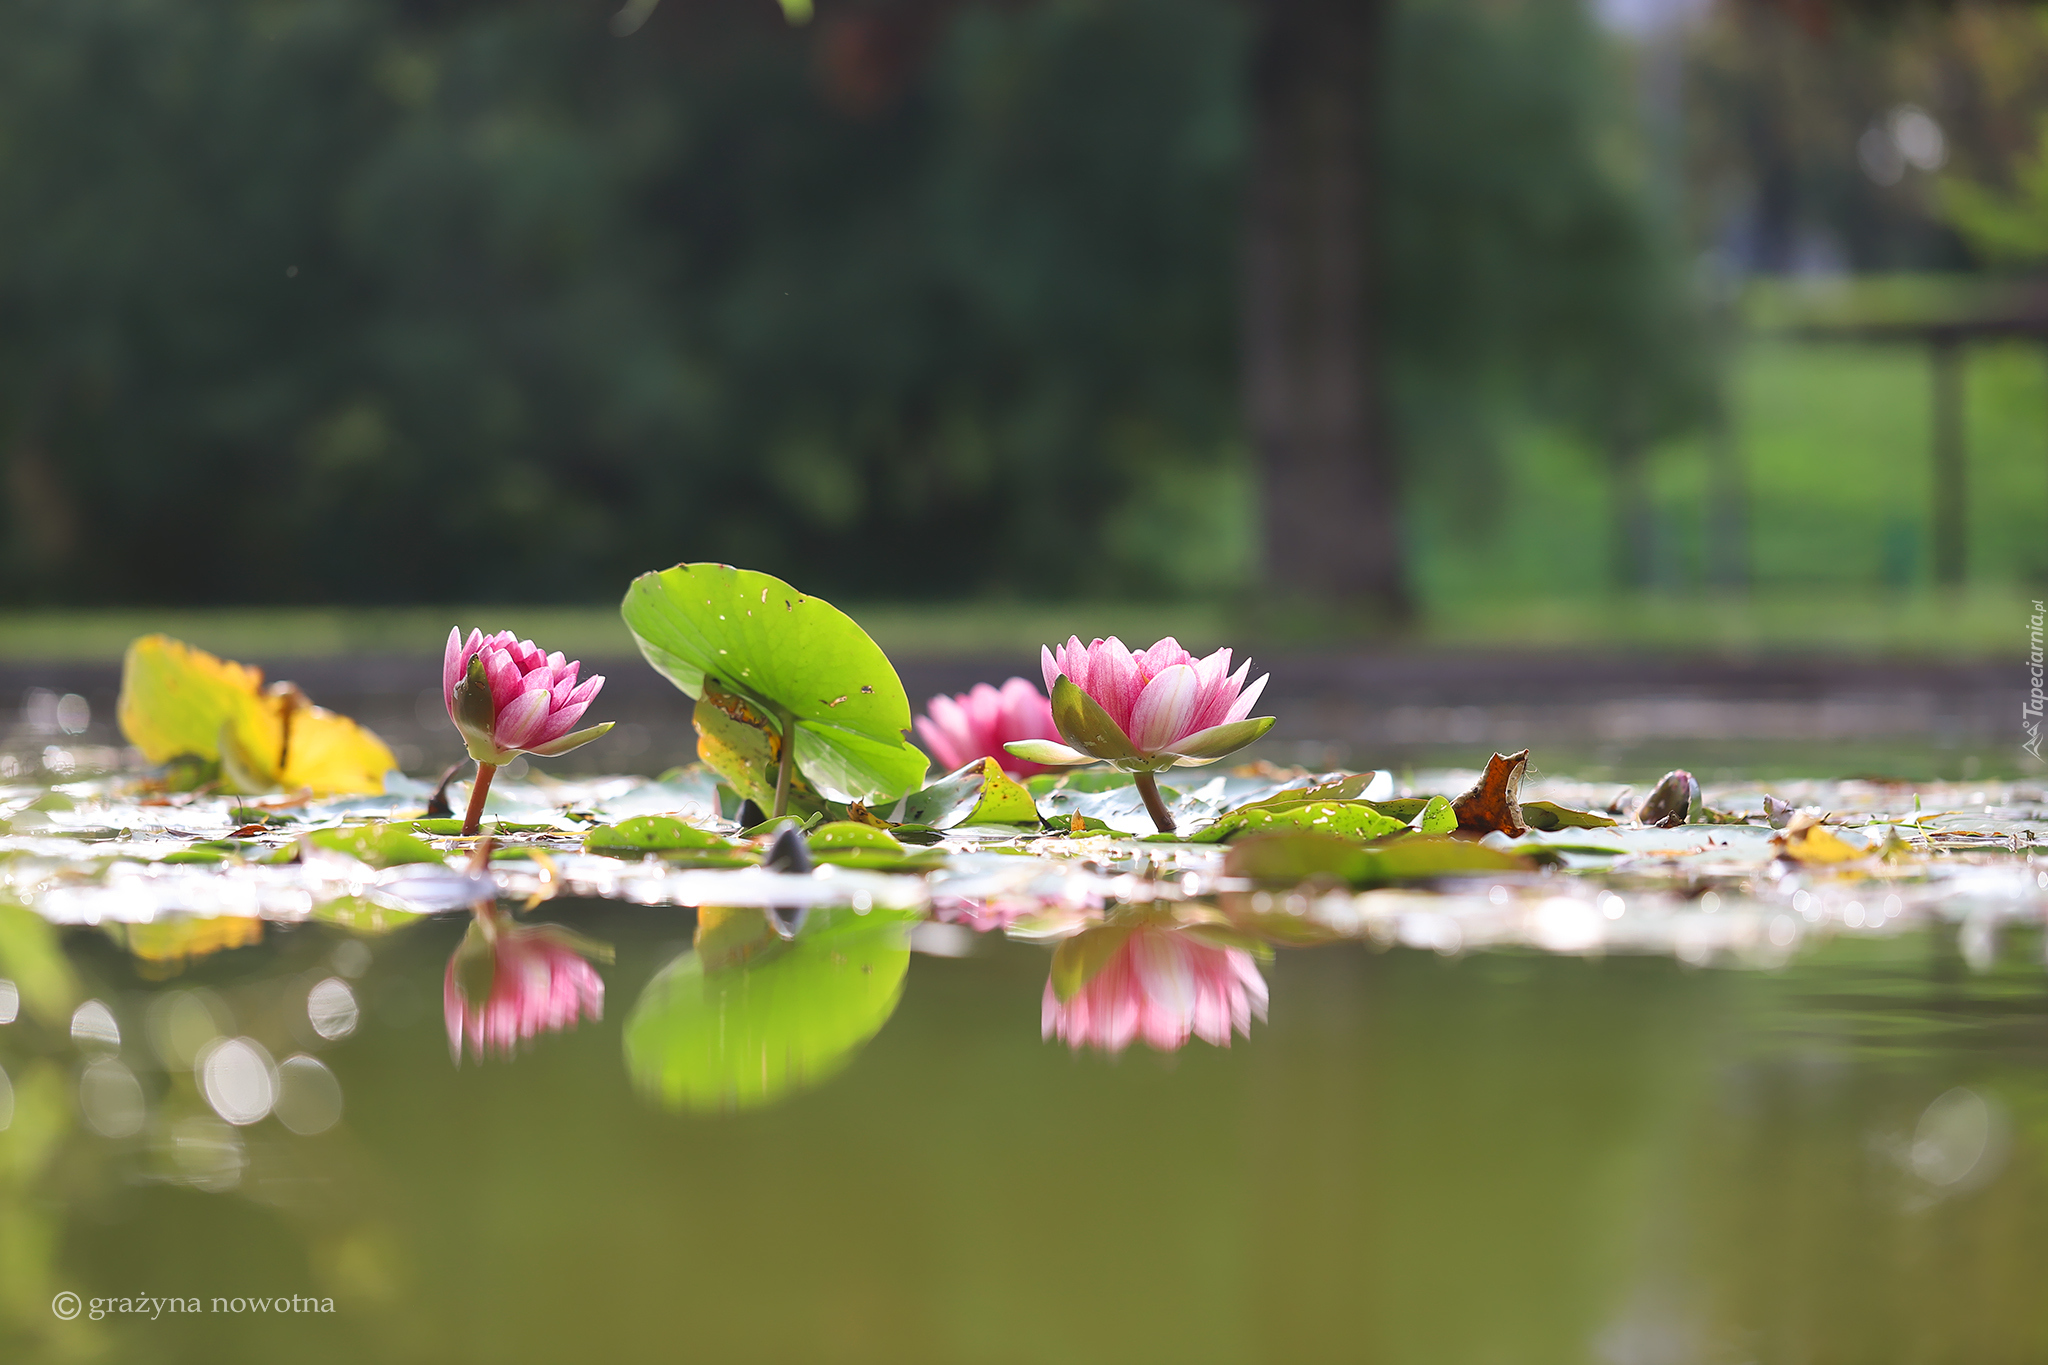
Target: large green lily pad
793 655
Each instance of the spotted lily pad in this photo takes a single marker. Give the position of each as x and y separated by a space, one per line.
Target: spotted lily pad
1350 819
379 844
980 793
802 662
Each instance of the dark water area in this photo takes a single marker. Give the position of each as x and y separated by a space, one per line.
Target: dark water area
1500 1156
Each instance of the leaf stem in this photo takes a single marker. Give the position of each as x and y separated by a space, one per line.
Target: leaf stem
477 791
1148 787
788 722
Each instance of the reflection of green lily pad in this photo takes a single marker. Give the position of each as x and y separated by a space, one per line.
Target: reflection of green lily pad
32 957
783 1020
363 915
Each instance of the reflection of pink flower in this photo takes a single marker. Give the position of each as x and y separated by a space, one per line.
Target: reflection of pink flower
982 915
977 724
507 983
1159 984
532 701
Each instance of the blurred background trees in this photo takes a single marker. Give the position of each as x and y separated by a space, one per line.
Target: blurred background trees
359 300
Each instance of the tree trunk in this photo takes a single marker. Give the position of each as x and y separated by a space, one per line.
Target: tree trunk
1313 399
45 525
1949 498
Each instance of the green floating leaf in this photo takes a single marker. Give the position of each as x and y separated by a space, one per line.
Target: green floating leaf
1416 857
650 834
771 1021
1350 788
1289 859
378 844
1437 817
1350 819
451 828
980 793
844 835
1292 858
676 841
848 843
753 635
1548 815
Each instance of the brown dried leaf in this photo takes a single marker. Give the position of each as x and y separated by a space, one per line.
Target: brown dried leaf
1494 801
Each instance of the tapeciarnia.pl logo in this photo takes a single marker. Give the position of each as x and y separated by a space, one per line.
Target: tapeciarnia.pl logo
2030 714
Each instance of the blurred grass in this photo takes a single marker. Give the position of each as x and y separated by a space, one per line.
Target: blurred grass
1987 621
1832 449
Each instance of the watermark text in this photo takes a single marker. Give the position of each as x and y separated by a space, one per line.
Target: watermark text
68 1305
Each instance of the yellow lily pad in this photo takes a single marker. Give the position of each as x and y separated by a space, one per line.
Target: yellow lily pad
178 701
1809 841
175 699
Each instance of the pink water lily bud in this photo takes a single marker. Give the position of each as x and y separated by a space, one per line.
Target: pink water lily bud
507 983
1160 984
508 698
977 724
1153 709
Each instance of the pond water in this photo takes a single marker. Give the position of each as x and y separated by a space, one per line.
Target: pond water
1681 1099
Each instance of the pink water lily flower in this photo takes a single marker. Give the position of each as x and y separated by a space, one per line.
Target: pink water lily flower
1160 984
978 723
534 700
507 983
1146 711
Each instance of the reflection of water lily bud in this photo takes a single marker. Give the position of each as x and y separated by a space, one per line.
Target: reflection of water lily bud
508 698
510 982
978 723
1159 984
1145 711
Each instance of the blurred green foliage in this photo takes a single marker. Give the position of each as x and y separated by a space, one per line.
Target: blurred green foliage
357 300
